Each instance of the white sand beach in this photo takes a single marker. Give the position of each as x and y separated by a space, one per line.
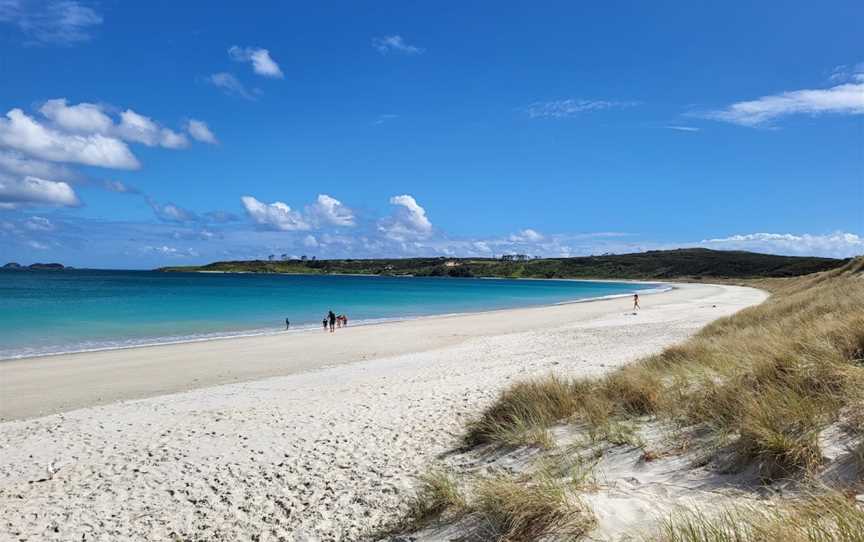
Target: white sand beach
300 436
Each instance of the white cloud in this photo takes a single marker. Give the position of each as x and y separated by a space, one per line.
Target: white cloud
262 63
20 132
34 191
81 118
310 241
843 99
38 223
16 163
141 129
166 250
119 187
58 22
230 85
684 128
836 245
329 210
409 221
527 236
86 118
37 245
569 108
394 44
171 213
200 131
276 215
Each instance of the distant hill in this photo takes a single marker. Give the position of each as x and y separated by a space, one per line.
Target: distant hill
656 264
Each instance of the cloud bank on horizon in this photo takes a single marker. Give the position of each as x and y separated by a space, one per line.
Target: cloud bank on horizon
65 161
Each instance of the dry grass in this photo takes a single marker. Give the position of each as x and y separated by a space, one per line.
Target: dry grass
513 510
827 518
764 381
507 508
437 492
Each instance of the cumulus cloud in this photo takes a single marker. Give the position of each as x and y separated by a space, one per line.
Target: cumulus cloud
262 63
409 221
310 241
142 129
169 212
843 99
87 118
394 44
835 245
527 236
18 164
33 191
81 118
275 216
23 133
230 85
559 109
54 22
199 131
329 210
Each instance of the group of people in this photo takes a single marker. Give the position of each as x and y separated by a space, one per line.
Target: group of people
333 320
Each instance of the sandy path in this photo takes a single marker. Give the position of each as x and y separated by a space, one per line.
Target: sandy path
324 454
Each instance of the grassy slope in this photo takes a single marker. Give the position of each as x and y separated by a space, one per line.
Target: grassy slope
690 263
761 385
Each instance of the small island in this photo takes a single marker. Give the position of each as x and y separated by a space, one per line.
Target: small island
36 266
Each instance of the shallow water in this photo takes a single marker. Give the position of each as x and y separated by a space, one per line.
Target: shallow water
50 312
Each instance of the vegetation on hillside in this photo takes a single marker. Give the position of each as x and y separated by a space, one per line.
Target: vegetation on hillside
658 264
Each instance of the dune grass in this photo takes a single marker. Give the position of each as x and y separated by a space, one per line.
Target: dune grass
762 382
825 518
505 507
437 492
512 510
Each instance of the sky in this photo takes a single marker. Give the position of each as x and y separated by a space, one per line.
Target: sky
141 134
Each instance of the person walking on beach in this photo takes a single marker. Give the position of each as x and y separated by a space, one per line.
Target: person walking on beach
344 320
287 324
331 316
636 302
325 324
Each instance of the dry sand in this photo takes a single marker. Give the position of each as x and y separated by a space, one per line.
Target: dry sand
317 438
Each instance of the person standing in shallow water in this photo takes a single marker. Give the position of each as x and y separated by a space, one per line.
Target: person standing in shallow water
331 317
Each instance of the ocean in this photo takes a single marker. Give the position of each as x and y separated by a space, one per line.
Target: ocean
53 312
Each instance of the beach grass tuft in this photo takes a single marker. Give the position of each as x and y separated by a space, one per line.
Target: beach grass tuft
438 491
512 510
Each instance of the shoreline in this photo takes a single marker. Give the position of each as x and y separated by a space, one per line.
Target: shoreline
316 437
37 386
313 327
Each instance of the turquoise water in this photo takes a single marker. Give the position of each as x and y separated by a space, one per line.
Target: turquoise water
49 312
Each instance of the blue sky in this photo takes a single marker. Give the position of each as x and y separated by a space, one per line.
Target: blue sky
144 134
